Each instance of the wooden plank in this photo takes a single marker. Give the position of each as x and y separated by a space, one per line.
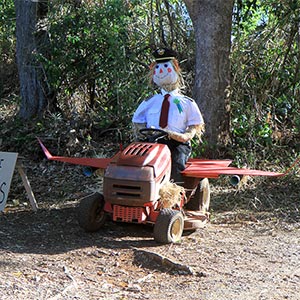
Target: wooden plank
27 186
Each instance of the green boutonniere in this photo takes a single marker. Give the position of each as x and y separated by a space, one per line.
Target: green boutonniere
177 102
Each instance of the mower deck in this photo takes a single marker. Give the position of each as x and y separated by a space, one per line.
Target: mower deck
195 219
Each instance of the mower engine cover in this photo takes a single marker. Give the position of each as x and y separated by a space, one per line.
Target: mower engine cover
137 175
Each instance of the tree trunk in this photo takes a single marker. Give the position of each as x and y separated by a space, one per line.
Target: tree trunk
212 25
33 91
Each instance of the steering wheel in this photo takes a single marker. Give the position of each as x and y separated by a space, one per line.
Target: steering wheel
153 134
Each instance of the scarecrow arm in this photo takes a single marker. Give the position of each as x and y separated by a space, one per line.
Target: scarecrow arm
184 137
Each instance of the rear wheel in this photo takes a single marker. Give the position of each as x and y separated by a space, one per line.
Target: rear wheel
91 215
168 227
200 201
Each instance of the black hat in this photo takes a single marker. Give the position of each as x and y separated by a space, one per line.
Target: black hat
164 54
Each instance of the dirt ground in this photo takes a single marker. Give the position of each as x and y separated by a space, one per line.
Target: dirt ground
249 250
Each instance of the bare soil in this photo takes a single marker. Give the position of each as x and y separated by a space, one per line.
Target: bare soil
249 250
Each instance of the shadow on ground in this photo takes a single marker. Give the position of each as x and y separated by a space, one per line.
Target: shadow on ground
52 231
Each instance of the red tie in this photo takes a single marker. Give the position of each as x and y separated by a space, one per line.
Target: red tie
163 119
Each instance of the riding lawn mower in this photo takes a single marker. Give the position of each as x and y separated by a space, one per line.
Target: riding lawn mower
137 188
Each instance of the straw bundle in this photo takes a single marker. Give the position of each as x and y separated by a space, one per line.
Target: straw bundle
170 195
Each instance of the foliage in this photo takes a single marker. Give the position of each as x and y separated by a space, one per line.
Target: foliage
265 67
89 59
7 46
7 27
100 55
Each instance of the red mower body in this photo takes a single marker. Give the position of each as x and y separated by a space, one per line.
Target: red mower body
132 181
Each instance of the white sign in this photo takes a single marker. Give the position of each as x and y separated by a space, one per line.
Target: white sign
7 166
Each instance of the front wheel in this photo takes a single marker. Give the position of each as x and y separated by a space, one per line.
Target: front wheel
168 227
91 215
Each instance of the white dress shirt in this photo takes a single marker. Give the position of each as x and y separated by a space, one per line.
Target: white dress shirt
183 112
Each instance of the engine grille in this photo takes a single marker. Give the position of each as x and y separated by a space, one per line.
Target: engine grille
138 149
127 191
129 214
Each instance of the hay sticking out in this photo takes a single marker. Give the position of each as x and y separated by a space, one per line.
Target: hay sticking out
170 195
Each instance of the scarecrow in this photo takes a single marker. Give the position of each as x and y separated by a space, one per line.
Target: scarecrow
170 110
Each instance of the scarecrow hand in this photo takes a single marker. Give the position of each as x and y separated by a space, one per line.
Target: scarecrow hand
182 137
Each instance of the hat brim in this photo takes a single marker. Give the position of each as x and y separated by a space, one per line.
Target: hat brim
164 58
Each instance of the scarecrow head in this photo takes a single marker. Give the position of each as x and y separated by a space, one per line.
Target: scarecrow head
165 71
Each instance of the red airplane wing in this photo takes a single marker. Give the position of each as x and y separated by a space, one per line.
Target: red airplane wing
99 163
209 162
198 168
215 168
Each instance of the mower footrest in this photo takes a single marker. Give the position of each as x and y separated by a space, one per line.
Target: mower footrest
129 214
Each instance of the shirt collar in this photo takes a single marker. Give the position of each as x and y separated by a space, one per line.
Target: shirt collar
172 93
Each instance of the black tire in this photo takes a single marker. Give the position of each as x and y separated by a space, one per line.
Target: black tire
91 215
200 201
168 227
